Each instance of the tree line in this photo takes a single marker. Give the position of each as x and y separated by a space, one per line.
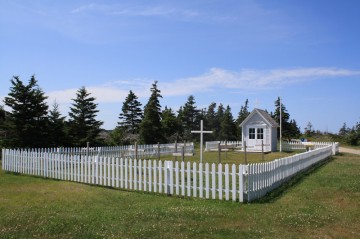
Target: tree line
31 123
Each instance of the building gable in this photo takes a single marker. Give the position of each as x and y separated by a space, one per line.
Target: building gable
258 116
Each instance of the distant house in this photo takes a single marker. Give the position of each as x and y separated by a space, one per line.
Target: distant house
259 127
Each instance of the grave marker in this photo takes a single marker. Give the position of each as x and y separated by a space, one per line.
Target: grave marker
201 132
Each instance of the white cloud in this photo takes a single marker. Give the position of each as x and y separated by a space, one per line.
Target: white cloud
213 80
247 79
135 10
101 93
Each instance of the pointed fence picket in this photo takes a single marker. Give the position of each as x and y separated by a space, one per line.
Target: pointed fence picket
215 181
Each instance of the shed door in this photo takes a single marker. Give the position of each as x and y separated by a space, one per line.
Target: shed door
255 137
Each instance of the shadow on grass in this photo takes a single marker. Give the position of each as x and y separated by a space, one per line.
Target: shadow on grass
279 192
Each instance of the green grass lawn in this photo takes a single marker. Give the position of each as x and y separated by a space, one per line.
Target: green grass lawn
324 203
233 157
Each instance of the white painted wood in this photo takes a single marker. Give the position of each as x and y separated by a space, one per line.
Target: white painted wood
182 174
149 169
122 173
171 178
220 186
117 171
201 180
188 171
207 181
177 192
155 175
144 174
213 181
140 174
130 170
233 182
135 174
194 180
160 177
126 179
226 182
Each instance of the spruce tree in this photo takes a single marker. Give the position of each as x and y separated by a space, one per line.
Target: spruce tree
28 114
150 127
57 132
210 121
218 120
288 128
83 126
169 124
228 127
3 127
190 119
244 112
131 115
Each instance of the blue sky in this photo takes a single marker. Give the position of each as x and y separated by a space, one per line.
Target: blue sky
222 51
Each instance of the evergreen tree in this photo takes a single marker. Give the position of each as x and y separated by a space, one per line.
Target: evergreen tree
3 127
179 118
344 130
309 130
228 127
150 127
289 130
190 117
218 120
83 126
169 124
210 121
131 115
244 112
28 115
294 129
57 132
117 137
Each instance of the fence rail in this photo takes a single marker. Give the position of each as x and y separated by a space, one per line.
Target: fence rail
126 151
214 145
210 181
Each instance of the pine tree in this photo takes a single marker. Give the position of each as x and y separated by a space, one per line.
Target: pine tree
190 117
57 131
210 121
218 120
244 112
83 126
131 115
289 129
3 127
344 130
169 124
228 127
150 127
28 114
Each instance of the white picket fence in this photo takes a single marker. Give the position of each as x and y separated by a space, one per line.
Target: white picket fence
214 145
265 177
125 151
286 145
210 181
290 146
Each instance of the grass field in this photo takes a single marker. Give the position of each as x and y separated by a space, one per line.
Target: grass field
323 203
233 157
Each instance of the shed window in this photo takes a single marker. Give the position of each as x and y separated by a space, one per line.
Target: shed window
251 133
260 133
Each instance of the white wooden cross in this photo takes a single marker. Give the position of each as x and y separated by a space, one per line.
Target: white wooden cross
201 132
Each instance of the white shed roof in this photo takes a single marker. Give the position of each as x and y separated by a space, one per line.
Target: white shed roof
266 117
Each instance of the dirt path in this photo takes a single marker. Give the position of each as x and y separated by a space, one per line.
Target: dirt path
348 150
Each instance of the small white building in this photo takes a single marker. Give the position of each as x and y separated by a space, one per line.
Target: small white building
257 129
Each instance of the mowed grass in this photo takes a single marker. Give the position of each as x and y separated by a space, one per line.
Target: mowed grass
323 203
232 157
